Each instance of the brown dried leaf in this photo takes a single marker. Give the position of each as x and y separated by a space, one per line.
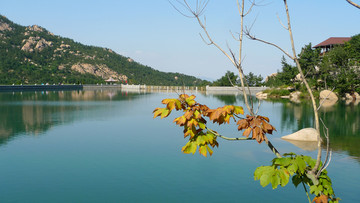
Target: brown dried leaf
247 132
242 124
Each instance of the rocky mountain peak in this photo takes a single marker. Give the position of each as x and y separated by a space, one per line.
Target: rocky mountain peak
4 26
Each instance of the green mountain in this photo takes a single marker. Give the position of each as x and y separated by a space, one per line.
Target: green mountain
30 55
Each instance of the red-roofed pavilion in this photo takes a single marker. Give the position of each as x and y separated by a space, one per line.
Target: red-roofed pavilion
331 42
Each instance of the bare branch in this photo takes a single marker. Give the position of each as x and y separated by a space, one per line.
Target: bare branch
286 28
228 138
207 43
316 115
258 108
328 151
232 34
354 4
252 37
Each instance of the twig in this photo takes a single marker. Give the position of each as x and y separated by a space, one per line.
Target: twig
252 37
228 138
286 28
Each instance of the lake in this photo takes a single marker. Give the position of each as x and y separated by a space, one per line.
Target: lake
105 146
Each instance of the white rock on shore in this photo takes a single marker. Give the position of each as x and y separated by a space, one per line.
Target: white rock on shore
306 134
261 95
295 96
327 94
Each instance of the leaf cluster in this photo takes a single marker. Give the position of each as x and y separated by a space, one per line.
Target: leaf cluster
194 123
258 126
297 166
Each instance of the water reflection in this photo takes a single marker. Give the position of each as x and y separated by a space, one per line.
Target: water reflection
342 118
35 112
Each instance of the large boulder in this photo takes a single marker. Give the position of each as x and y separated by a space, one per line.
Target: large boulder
348 97
295 96
261 95
357 96
306 134
327 94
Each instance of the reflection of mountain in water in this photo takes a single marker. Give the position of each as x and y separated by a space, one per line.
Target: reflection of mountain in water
36 112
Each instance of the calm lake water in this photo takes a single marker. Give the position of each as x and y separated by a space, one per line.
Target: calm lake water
104 146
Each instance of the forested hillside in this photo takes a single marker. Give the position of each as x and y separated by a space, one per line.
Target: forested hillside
30 55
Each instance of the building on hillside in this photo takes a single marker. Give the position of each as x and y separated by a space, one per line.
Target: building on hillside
328 44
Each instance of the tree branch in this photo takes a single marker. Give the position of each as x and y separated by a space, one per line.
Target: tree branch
316 115
354 4
252 37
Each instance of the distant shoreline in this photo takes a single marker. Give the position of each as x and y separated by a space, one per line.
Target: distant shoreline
14 88
141 88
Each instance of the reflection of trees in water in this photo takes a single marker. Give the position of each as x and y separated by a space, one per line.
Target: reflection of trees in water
296 116
36 112
342 120
231 99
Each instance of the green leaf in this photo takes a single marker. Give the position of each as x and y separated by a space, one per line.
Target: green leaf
265 179
315 189
284 177
275 180
292 169
282 161
202 125
296 180
264 173
310 161
260 170
301 164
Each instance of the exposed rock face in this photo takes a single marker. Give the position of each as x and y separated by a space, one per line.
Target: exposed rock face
298 77
269 76
98 70
35 43
42 44
4 26
328 95
306 134
261 95
35 28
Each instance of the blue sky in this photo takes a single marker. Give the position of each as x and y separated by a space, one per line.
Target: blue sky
154 34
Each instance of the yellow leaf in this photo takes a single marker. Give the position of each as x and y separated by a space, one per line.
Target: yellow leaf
180 120
202 150
209 150
165 113
238 110
157 112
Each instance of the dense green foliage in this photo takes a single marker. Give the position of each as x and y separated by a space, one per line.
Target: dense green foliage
254 80
225 80
52 64
230 79
338 68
